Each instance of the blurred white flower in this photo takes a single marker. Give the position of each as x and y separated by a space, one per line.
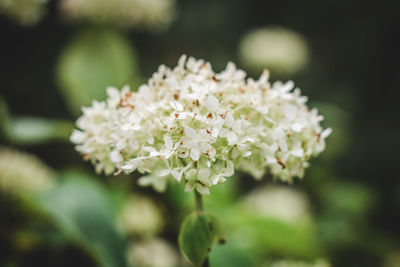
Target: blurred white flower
26 12
153 253
392 259
281 202
141 216
192 124
281 50
295 263
22 173
125 13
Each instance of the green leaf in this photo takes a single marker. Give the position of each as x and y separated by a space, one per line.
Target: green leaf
232 255
270 236
4 117
95 59
81 209
198 232
31 130
216 229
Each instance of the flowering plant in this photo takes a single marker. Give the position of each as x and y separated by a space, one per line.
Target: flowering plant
197 126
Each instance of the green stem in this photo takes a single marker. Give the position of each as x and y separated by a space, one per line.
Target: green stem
199 201
199 207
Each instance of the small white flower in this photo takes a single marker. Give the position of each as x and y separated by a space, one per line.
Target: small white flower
77 137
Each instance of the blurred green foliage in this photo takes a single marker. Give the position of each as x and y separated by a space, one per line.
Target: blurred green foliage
82 211
95 59
353 187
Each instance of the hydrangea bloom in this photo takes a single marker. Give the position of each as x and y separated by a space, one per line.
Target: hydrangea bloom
26 12
142 253
141 216
22 173
198 126
281 50
127 13
280 202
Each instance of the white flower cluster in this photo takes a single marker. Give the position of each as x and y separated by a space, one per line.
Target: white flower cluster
294 263
281 202
281 50
195 125
126 13
22 173
154 252
26 12
141 216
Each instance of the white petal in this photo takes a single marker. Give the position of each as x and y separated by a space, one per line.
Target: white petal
165 172
229 170
194 154
297 152
231 137
189 187
271 160
149 149
154 154
237 126
136 127
126 127
129 167
176 105
121 144
283 145
160 184
224 132
77 137
287 86
112 92
150 139
229 120
247 154
168 142
326 133
212 103
202 189
191 174
297 127
190 132
182 61
177 175
203 174
116 157
290 111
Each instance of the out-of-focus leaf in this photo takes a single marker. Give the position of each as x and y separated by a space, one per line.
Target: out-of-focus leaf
4 117
95 59
223 195
269 236
81 209
348 198
232 256
198 232
25 229
345 209
31 130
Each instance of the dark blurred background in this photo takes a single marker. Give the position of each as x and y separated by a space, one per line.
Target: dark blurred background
350 75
